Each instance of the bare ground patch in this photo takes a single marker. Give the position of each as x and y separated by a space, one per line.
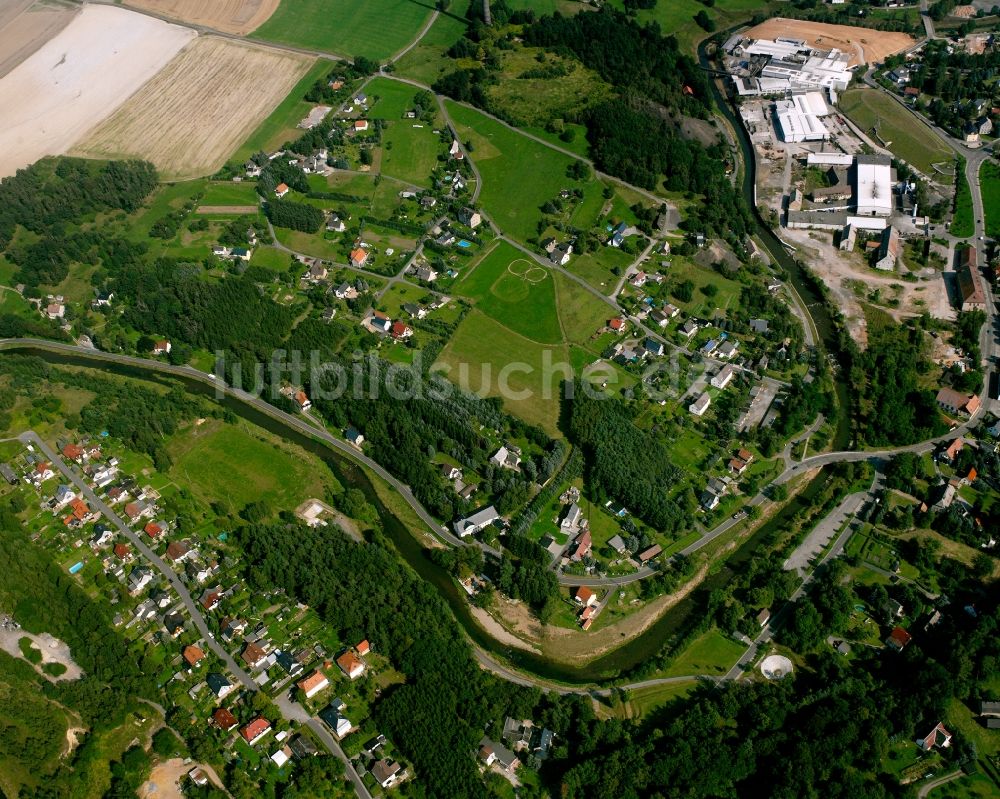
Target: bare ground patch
864 44
229 16
227 209
25 25
79 77
52 650
200 108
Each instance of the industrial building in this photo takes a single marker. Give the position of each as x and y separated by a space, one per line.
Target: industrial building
800 117
873 182
769 67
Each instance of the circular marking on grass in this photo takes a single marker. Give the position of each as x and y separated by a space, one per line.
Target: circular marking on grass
515 267
535 275
510 288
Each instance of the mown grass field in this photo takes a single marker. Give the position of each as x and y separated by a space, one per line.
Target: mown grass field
962 224
217 460
519 175
580 312
711 653
427 61
898 129
410 153
482 347
389 99
989 185
510 287
374 29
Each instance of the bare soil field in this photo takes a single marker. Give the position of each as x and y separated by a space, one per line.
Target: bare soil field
199 109
227 209
25 25
229 16
864 44
79 77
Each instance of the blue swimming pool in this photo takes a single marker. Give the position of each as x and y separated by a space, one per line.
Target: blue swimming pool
464 243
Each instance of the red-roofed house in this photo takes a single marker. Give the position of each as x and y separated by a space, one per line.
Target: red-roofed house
938 737
581 547
193 655
253 655
351 665
255 730
281 190
364 648
210 599
972 475
617 325
359 257
161 347
122 551
584 596
153 530
360 125
74 452
313 684
302 400
79 509
898 639
401 330
953 449
43 472
224 719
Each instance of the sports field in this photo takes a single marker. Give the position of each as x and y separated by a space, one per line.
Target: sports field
198 110
513 289
229 16
519 175
78 78
374 29
482 349
894 127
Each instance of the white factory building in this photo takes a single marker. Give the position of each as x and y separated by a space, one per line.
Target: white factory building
800 117
873 185
761 66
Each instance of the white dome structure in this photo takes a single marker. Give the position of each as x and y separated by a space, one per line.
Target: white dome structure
776 667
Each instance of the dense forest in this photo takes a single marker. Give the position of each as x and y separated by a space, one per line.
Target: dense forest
624 463
892 405
48 199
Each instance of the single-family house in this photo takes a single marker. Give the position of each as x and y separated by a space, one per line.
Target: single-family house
363 648
173 623
255 730
380 323
153 529
178 551
470 217
351 665
617 543
585 596
572 519
345 291
700 405
939 737
224 719
400 331
139 579
898 639
210 598
354 437
581 546
688 329
219 685
359 257
618 235
721 379
302 400
193 655
951 451
415 311
494 754
253 655
728 349
281 190
387 772
653 347
426 274
313 684
617 325
709 500
507 457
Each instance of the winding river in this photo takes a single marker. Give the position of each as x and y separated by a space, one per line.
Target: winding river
628 658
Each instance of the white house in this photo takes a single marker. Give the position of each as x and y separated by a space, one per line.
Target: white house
700 405
476 522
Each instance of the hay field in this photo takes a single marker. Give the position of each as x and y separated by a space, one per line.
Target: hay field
865 45
79 77
25 25
199 109
229 16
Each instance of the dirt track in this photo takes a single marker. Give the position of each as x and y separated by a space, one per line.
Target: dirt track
864 44
199 109
229 16
227 209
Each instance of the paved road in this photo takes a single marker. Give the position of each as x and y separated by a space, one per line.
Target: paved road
30 437
290 710
926 788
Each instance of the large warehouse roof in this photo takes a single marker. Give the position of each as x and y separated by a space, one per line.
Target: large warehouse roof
874 185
